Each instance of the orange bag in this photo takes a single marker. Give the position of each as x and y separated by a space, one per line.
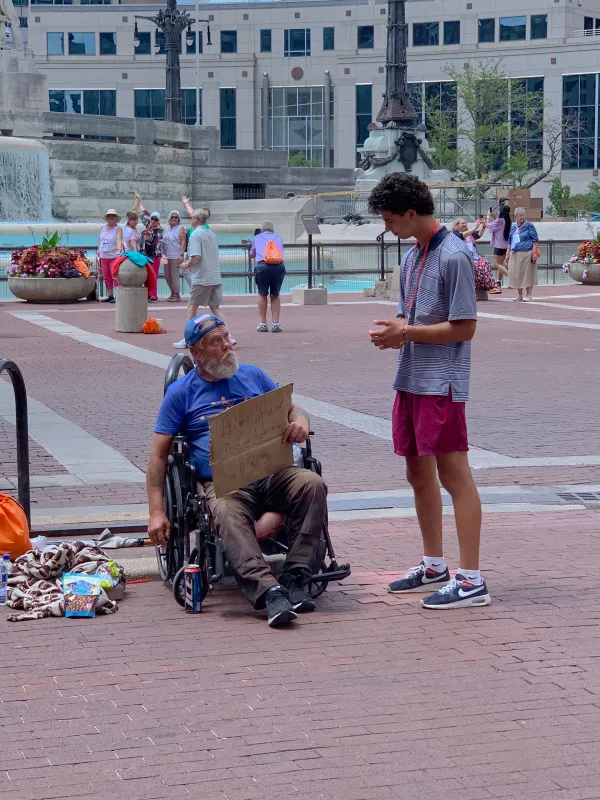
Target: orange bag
273 254
14 530
82 268
152 326
536 252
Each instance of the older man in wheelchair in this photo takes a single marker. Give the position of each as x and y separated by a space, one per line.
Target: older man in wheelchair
217 383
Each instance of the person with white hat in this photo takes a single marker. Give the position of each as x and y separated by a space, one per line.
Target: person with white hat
110 244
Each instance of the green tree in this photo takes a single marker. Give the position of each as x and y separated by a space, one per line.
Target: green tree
300 160
559 196
502 132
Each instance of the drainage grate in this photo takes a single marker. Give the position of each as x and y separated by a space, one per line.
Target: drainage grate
582 497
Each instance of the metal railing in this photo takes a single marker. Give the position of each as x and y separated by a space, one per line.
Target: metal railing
450 202
339 267
22 426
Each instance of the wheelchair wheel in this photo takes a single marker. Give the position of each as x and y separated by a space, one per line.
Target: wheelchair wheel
179 579
170 558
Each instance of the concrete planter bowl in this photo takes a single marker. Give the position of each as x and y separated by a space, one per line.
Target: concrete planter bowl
52 290
592 273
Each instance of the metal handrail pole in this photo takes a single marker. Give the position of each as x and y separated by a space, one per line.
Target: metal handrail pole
22 426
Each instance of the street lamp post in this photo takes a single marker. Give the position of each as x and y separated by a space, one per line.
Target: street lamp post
172 23
396 110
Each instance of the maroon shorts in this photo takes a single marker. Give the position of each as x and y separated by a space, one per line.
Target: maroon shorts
428 425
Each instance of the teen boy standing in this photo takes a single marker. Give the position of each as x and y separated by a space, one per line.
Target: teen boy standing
435 323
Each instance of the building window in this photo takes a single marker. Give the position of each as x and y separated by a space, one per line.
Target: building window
297 123
23 22
366 37
296 42
44 2
55 44
249 191
328 38
452 32
513 29
486 30
93 101
190 49
539 26
93 2
438 97
100 101
82 44
364 105
265 40
528 116
228 119
65 101
426 34
579 114
149 103
229 41
143 47
108 44
188 106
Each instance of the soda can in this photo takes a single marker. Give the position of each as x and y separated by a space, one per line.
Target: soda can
192 578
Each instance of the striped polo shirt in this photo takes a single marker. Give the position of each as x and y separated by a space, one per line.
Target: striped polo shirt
446 292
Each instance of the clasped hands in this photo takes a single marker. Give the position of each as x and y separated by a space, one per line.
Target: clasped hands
391 336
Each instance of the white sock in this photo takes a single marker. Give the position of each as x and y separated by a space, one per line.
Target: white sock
472 575
437 563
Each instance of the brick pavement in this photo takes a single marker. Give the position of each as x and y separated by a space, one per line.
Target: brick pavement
517 408
42 463
367 699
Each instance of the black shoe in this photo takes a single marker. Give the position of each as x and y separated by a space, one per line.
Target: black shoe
109 299
420 579
300 598
459 593
279 608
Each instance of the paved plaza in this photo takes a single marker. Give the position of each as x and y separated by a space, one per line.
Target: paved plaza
370 697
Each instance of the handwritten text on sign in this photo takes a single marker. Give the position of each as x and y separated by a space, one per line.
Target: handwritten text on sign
246 440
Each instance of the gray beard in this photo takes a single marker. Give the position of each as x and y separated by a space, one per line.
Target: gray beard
220 370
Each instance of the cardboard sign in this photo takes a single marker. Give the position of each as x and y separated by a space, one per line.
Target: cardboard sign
245 441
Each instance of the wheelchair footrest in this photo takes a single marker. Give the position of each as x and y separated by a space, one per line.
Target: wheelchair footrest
333 573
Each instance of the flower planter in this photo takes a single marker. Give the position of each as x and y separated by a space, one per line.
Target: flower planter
51 290
577 269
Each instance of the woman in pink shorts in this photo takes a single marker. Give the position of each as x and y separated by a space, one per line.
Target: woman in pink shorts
110 244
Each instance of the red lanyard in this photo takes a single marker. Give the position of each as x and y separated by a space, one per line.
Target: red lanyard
411 296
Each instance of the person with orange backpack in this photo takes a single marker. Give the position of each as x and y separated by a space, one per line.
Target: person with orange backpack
267 249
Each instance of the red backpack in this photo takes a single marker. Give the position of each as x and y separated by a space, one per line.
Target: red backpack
273 254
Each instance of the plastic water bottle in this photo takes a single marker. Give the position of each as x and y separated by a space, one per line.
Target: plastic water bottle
4 567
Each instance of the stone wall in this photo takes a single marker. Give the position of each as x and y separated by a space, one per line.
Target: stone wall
161 160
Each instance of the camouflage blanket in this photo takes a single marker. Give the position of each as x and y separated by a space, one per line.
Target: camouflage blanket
35 580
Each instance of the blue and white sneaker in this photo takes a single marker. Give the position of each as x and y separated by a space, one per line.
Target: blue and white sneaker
420 579
459 593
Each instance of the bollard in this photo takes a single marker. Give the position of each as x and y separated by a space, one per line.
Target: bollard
131 299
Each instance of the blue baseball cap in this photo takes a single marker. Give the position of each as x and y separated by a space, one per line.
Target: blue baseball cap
192 331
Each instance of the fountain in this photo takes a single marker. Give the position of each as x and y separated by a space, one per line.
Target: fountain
24 181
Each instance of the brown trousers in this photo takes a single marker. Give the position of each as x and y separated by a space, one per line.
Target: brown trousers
298 493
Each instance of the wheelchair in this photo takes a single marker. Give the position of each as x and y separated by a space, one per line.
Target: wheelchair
193 540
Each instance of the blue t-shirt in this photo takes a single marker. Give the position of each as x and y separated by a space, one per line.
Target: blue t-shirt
190 401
